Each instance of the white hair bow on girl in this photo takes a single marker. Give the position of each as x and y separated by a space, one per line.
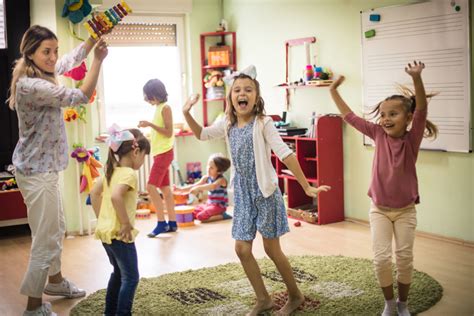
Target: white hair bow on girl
250 71
117 136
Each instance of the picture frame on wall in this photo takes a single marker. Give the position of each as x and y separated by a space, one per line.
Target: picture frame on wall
3 26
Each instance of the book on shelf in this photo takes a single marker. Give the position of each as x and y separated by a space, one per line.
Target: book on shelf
292 131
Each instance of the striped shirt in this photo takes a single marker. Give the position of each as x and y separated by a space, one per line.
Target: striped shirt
218 196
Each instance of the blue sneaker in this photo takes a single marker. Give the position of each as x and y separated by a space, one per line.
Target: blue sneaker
173 226
161 227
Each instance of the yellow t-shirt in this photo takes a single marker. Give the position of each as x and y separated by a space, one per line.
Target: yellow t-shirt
108 224
160 143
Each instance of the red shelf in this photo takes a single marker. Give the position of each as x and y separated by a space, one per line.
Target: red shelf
211 100
321 161
183 134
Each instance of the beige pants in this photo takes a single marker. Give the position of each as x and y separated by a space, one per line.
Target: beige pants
401 224
46 219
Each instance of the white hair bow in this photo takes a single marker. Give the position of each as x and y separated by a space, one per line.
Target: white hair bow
117 136
250 71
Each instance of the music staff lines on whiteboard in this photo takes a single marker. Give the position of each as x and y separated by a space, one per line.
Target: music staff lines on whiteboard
419 22
410 54
420 26
433 18
419 29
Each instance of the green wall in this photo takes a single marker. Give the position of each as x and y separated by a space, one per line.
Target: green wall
262 26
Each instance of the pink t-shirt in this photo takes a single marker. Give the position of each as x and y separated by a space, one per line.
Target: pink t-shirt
394 182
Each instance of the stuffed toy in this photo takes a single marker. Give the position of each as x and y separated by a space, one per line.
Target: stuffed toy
213 79
76 10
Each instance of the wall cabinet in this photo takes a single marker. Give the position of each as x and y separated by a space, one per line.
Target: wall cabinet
321 160
218 53
13 210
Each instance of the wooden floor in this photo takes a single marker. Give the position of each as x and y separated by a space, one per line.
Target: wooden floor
85 262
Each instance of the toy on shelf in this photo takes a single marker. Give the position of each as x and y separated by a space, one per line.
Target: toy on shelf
8 184
193 171
103 22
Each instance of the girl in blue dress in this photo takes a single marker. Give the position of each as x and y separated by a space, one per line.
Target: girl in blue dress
259 206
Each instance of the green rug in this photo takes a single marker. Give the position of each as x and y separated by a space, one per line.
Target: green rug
332 285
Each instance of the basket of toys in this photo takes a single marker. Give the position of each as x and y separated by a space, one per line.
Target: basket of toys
307 213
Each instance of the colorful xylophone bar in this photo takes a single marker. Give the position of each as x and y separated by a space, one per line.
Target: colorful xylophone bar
101 23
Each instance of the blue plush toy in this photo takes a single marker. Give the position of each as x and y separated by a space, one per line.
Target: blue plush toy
76 10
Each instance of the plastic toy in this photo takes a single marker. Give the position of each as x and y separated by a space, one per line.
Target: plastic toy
184 215
76 10
142 213
180 198
8 184
103 22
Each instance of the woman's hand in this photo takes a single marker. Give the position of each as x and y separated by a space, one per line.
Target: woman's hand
313 192
416 69
190 102
125 232
337 83
144 124
100 50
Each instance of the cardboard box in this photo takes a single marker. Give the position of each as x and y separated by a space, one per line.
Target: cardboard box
218 56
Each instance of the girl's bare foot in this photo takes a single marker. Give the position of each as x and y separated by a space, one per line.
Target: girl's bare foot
291 305
261 306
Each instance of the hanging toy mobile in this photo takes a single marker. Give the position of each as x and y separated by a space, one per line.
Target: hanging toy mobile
103 22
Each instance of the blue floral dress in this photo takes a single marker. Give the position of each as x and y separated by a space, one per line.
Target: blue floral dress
252 211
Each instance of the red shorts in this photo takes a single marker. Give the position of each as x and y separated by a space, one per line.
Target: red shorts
160 171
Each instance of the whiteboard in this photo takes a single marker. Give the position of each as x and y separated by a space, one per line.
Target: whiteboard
438 35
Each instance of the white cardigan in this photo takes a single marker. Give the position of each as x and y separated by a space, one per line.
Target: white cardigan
265 139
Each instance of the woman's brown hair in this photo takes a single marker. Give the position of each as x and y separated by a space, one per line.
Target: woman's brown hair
24 66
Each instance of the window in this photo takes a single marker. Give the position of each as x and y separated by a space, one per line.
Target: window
3 26
139 52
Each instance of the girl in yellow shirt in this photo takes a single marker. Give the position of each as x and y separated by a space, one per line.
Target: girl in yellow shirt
162 140
114 199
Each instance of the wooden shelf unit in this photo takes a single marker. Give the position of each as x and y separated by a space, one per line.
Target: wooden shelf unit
321 159
229 38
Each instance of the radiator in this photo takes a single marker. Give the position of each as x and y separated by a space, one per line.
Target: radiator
144 174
